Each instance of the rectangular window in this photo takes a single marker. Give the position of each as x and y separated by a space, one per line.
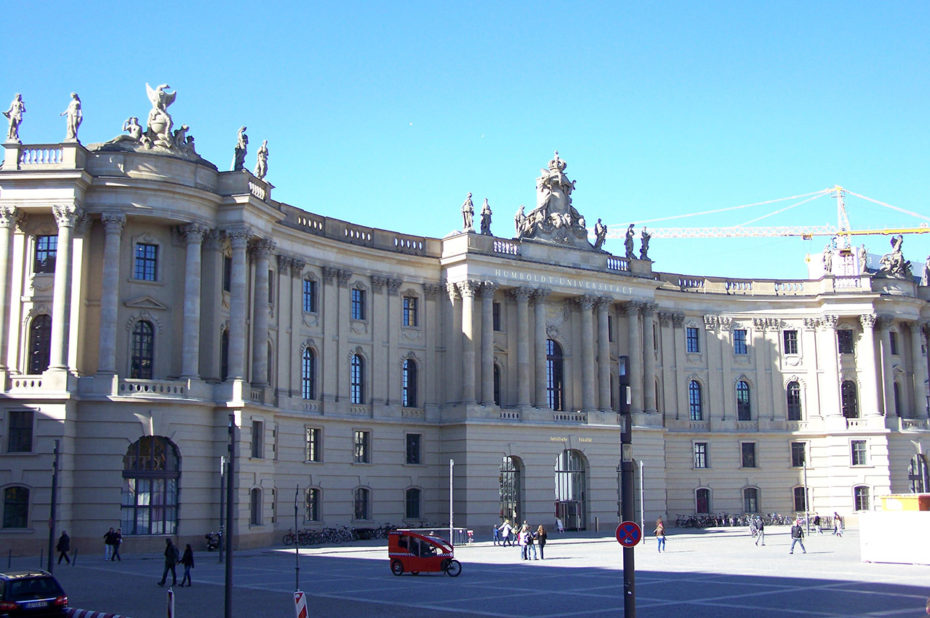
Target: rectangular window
314 445
313 504
496 316
410 311
800 499
861 496
20 431
227 273
46 250
859 455
610 328
358 304
258 439
413 448
270 287
893 341
309 296
798 454
146 266
748 452
844 341
362 441
701 459
739 341
691 338
791 341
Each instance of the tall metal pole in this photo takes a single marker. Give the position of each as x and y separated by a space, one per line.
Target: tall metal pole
223 476
626 482
231 470
642 517
807 508
296 542
51 514
451 535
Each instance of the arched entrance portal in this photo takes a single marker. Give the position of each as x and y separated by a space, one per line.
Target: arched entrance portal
511 488
570 501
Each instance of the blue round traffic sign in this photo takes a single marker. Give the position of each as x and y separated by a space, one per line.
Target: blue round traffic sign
629 533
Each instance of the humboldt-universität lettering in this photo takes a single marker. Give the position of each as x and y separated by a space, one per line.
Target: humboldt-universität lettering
516 275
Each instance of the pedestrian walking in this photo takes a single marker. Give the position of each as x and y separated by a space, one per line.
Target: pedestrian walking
559 525
188 561
836 522
496 534
108 544
760 531
171 560
63 547
797 536
541 539
530 544
117 541
840 525
817 524
505 530
660 534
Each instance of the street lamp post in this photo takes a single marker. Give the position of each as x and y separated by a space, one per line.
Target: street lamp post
451 531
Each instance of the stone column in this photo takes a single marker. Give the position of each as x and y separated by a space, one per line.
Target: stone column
190 344
467 289
887 392
603 353
487 342
539 311
522 295
870 397
649 358
829 353
586 304
678 353
635 367
262 251
66 216
7 220
109 290
239 241
923 371
920 369
453 360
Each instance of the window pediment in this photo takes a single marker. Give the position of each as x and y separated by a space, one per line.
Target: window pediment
145 302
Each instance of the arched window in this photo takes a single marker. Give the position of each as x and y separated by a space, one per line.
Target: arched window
307 373
510 480
694 401
409 385
15 507
702 500
314 500
497 384
554 384
362 501
793 397
743 409
255 507
357 380
151 471
570 489
412 503
917 474
850 399
224 355
143 350
800 500
40 343
750 500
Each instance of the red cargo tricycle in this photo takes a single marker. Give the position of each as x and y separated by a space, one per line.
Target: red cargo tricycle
410 552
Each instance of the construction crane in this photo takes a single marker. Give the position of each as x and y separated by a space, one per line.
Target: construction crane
842 232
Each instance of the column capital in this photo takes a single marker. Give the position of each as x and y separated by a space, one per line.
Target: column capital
284 261
764 324
829 322
393 285
665 317
521 294
238 236
297 266
586 302
884 321
632 308
378 282
603 303
263 247
329 273
193 232
433 290
343 276
213 239
468 288
113 222
487 289
811 324
678 320
868 320
540 294
452 290
649 309
924 325
66 215
8 216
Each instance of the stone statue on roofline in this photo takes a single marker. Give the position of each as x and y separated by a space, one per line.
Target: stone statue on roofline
242 143
160 121
261 160
925 277
486 218
75 116
554 220
600 234
468 215
628 243
645 237
893 265
15 115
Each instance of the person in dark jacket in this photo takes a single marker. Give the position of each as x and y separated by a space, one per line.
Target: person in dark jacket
797 536
541 540
63 547
188 561
117 541
171 559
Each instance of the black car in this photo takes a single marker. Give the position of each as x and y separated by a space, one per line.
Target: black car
31 593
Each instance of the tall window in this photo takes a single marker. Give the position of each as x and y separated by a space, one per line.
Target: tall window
255 507
554 385
412 503
844 341
258 440
850 399
224 355
750 500
270 287
19 434
800 499
702 500
358 304
893 341
46 250
917 475
511 488
146 266
15 507
357 380
793 397
791 341
694 400
701 460
859 452
410 311
409 384
40 343
307 374
227 273
143 350
739 341
309 296
151 471
861 497
798 454
314 500
362 444
362 503
748 454
897 399
691 340
413 448
314 445
496 316
743 409
497 384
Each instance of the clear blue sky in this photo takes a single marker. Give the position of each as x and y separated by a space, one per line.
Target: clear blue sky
387 114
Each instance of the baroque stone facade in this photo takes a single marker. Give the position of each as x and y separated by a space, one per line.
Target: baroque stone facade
145 297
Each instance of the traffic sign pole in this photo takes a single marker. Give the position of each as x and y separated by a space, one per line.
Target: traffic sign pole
626 493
